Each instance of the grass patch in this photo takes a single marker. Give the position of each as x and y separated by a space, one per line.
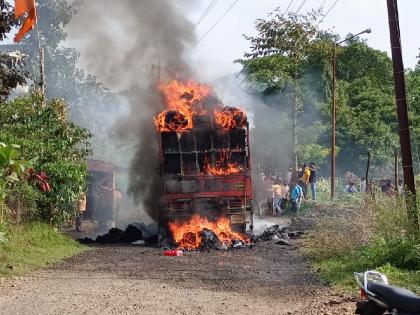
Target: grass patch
359 236
33 245
338 271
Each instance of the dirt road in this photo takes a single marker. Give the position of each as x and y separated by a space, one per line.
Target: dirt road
265 279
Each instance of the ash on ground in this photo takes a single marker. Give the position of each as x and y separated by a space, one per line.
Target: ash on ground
277 234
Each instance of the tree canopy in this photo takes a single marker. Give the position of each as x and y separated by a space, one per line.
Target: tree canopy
291 46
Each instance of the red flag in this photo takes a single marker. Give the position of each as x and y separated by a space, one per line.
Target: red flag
22 7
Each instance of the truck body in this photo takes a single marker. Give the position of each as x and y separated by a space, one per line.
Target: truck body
206 170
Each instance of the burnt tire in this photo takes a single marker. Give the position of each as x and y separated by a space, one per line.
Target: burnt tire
369 308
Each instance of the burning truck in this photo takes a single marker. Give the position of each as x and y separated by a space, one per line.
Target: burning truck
205 167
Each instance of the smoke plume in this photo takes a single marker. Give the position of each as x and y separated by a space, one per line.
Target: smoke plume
130 45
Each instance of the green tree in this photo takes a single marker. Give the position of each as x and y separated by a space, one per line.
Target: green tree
366 116
90 103
12 168
413 97
280 59
11 64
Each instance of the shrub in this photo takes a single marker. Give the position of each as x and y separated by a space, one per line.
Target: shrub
23 200
61 148
339 230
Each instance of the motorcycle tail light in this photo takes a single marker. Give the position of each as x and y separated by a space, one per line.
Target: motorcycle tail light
362 293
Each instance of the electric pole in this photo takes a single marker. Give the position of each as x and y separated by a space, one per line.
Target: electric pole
401 100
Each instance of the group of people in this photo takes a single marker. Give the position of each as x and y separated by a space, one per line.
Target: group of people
294 188
386 185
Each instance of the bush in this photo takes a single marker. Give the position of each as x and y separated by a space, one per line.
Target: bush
23 200
373 235
339 230
60 146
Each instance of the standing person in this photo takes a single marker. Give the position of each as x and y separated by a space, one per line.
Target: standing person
389 188
284 197
102 192
81 208
277 188
304 179
363 184
296 195
289 176
350 188
312 180
400 187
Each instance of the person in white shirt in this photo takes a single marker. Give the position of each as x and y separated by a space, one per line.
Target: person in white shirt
363 184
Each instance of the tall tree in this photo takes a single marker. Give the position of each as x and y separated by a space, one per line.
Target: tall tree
282 46
366 118
413 98
12 73
90 103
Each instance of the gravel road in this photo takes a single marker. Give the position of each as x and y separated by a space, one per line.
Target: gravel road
265 279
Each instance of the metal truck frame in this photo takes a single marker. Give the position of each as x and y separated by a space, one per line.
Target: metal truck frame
188 190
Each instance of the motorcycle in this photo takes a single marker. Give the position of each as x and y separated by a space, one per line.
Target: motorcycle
378 297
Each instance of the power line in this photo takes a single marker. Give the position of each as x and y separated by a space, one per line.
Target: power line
217 22
329 10
321 7
322 4
300 7
205 13
287 9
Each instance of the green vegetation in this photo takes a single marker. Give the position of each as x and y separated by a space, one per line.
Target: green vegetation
33 245
291 56
60 148
43 169
42 174
368 236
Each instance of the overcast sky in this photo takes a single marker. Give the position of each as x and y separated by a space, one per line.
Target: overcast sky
225 42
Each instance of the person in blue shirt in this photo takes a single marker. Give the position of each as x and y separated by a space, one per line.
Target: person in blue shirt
296 195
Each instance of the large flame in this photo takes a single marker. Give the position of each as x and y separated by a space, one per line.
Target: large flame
183 100
188 235
222 166
230 117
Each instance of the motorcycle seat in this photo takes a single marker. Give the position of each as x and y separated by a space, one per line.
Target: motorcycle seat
401 299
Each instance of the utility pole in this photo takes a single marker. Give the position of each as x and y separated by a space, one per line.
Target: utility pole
401 100
42 75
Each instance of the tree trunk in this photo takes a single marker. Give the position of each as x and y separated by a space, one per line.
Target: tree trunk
368 189
295 116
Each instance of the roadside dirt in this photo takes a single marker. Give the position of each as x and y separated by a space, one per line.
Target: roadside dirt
265 279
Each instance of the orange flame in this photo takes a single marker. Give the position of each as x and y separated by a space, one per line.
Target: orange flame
188 234
230 117
183 100
222 166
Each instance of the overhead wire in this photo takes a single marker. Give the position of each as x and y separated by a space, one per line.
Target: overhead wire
217 22
322 5
287 9
328 11
300 7
205 13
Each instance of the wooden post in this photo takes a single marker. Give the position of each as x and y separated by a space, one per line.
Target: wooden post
402 114
42 75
